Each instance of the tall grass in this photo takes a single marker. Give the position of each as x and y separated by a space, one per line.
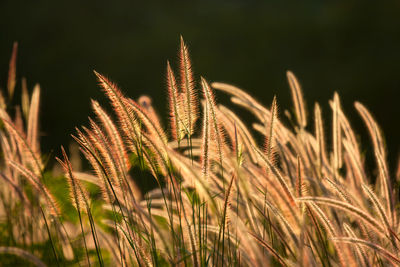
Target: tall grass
223 198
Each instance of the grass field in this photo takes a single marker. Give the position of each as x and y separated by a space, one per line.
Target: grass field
227 192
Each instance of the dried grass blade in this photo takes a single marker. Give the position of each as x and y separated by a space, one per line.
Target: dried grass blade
378 207
29 156
380 155
253 105
33 120
113 134
77 193
270 249
319 134
242 131
12 71
155 130
373 128
362 256
278 176
3 104
359 176
340 190
298 99
337 134
347 130
106 154
388 255
89 151
79 196
34 180
348 207
25 99
127 120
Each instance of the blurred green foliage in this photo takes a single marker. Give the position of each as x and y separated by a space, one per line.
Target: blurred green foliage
349 46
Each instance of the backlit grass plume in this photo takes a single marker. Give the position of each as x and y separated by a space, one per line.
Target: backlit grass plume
224 196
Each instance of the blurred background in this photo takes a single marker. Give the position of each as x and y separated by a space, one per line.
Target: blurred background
352 47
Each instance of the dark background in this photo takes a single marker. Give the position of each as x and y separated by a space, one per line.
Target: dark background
352 47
